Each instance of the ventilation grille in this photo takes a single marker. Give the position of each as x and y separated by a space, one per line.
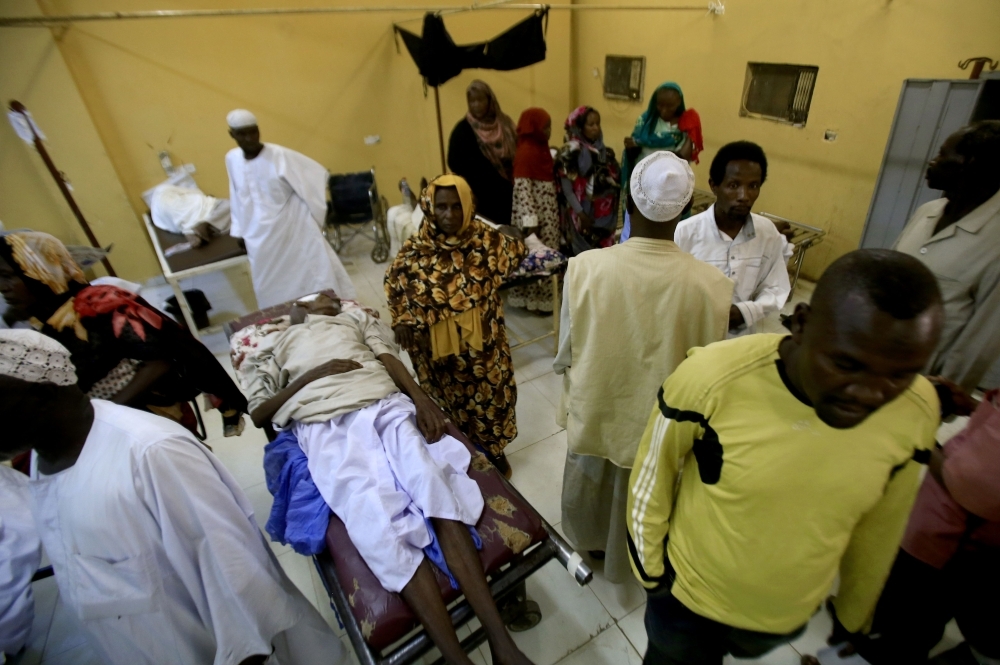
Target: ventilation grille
778 92
624 76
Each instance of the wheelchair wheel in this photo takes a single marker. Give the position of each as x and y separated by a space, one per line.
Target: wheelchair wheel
380 252
334 238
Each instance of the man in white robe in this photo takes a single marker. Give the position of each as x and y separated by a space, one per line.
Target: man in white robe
153 543
277 201
20 555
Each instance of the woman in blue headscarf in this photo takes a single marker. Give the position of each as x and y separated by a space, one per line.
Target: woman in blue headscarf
667 124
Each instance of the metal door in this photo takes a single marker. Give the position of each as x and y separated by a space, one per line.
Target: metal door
927 113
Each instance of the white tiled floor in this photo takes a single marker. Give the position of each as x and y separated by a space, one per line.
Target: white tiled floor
597 624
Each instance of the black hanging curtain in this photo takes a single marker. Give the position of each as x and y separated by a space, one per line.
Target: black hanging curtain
439 59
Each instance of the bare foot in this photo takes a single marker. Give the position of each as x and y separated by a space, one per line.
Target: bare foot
508 654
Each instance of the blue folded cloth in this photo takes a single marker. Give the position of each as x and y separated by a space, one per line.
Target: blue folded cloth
299 515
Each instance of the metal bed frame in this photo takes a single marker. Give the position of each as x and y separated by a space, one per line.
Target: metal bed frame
174 278
803 235
416 643
556 307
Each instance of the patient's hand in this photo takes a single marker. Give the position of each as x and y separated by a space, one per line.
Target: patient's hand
331 367
430 420
404 336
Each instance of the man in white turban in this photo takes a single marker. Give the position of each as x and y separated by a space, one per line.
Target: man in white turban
629 315
277 201
153 543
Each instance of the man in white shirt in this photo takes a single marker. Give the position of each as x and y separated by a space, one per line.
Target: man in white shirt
20 555
153 543
277 201
958 238
747 248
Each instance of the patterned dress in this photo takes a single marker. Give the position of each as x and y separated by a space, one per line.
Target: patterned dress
536 205
434 278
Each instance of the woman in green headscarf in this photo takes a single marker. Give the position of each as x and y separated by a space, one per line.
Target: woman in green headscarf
666 124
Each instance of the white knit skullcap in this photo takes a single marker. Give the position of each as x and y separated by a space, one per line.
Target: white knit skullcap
241 118
661 185
31 356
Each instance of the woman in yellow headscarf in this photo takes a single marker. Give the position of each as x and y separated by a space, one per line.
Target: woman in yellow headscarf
444 294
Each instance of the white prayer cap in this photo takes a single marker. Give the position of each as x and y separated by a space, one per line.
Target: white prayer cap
31 356
241 118
661 185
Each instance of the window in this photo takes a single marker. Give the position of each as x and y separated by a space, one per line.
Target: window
778 92
623 76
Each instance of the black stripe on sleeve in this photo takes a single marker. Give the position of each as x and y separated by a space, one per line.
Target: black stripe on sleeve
638 564
707 450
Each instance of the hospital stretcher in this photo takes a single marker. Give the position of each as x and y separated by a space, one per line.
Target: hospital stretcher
517 541
554 277
220 253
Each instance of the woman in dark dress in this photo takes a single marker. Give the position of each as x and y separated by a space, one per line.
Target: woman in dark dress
481 150
123 349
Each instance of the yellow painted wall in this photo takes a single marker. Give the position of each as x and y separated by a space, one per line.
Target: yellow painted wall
864 50
35 74
123 91
317 83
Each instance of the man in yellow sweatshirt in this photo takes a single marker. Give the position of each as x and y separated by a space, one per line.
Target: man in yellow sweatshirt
800 457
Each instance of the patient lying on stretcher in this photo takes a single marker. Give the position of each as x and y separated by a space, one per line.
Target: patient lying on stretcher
378 454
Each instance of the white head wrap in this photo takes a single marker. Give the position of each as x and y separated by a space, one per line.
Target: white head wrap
241 118
31 356
661 185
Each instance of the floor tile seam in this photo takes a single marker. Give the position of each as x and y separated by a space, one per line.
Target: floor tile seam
546 438
593 637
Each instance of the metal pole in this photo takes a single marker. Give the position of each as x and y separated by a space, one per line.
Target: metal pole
18 107
437 105
50 21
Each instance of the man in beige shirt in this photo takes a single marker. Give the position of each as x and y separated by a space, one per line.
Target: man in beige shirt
629 315
958 238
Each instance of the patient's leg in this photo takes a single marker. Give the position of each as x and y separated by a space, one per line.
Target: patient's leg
423 596
463 560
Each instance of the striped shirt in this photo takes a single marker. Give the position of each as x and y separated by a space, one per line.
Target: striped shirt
771 501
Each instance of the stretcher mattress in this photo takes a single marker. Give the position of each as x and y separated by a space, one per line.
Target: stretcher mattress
219 248
507 527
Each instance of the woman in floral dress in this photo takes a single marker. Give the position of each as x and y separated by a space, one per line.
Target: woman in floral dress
443 293
536 208
590 181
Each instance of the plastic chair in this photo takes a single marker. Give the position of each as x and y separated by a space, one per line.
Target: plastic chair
355 208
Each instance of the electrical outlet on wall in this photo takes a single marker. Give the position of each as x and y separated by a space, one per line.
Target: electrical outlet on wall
166 162
830 136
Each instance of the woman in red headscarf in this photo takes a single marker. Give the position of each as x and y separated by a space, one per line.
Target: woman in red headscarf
535 206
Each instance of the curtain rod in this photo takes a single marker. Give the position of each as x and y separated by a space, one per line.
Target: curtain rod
715 7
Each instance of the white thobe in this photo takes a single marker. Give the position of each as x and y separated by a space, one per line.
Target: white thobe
278 207
379 475
755 260
20 555
156 550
